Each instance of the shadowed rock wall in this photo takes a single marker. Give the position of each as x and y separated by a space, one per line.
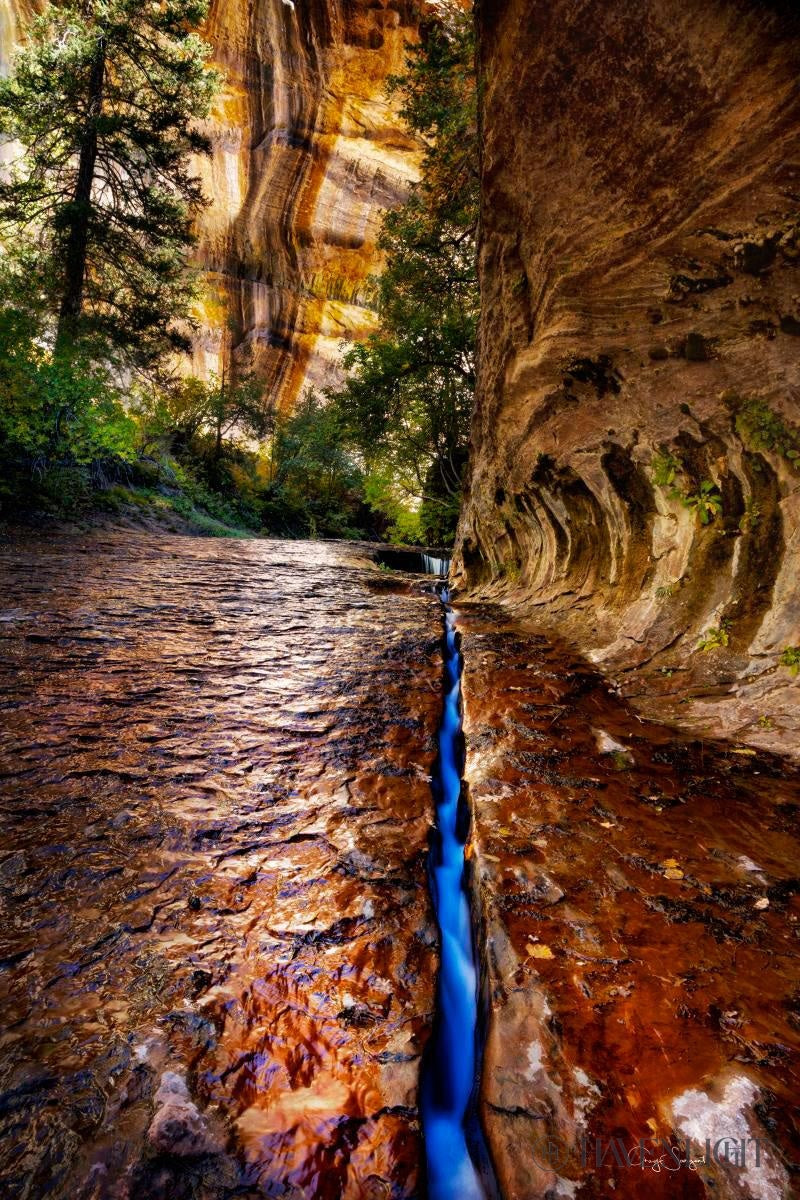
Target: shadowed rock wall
640 344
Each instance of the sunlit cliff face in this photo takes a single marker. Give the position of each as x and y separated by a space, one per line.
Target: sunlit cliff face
309 152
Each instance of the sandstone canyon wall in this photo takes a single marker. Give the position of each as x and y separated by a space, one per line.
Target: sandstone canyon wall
308 154
640 345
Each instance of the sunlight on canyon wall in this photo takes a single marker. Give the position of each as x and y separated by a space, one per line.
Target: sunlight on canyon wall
309 153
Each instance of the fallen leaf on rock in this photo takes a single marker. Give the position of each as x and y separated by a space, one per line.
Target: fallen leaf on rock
538 950
673 873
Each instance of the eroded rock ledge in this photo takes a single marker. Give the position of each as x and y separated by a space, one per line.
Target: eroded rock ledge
640 243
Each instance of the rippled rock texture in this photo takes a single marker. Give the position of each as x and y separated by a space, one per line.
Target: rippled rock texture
639 913
639 270
217 949
309 152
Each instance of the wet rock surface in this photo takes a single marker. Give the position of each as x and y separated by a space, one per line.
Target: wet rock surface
217 948
639 906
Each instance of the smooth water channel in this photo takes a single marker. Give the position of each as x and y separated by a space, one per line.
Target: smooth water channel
450 1065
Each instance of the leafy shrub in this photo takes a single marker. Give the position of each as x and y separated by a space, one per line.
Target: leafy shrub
715 638
664 469
791 659
63 427
749 519
761 428
705 504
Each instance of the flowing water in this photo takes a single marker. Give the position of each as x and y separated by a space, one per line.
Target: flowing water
218 949
449 1075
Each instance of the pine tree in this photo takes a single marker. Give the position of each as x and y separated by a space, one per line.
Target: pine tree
96 212
407 401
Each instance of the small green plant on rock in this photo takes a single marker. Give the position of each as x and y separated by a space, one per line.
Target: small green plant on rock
791 659
749 519
665 592
761 428
705 504
664 469
716 637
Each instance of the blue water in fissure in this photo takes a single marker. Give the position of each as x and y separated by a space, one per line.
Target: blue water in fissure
449 1071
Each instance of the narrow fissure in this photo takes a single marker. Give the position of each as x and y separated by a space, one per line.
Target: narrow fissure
450 1068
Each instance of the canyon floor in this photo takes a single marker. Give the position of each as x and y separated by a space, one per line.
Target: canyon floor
218 950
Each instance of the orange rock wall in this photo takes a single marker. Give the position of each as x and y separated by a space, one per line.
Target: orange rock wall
308 154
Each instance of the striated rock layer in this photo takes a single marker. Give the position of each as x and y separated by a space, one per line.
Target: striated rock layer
639 347
309 152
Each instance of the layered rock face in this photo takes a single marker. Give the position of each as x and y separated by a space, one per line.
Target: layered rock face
309 152
632 480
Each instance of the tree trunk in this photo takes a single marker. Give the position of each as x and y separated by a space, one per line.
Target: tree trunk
81 206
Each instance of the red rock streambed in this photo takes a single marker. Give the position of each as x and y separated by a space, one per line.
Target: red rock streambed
215 805
218 952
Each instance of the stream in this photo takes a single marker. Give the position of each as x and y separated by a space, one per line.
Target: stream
217 950
237 956
450 1064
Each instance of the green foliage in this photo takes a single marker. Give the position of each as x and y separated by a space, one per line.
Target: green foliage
715 638
314 485
665 592
63 427
791 658
748 522
202 412
763 429
384 496
664 469
96 214
407 403
705 504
